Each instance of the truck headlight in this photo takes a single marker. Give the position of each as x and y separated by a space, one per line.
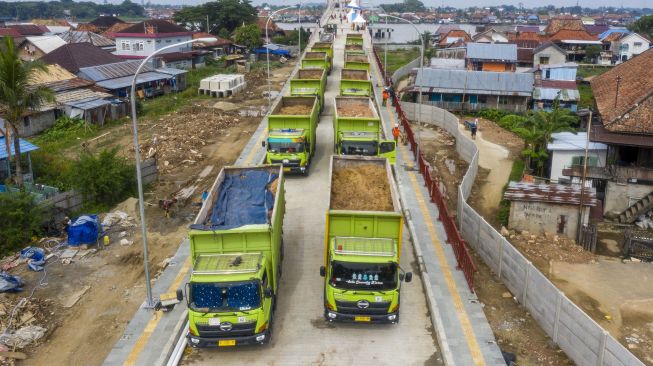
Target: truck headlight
332 315
392 317
194 341
260 338
285 161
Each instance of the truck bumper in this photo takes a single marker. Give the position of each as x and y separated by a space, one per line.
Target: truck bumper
390 318
206 342
295 169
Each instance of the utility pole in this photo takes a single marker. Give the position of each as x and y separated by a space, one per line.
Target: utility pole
582 181
616 94
207 24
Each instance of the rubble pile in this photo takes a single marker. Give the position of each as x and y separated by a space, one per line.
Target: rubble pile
548 247
180 136
29 325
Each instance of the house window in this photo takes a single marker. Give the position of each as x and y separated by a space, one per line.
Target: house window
168 41
579 160
544 60
158 41
503 99
124 45
482 99
562 224
547 74
637 44
138 46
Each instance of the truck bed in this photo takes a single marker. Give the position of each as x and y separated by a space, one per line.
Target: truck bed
347 74
294 106
309 74
355 107
360 184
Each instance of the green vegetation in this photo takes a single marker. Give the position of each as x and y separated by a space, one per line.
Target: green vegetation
18 95
407 6
248 35
21 220
586 96
223 14
29 10
515 176
587 71
104 178
291 38
643 26
592 53
398 58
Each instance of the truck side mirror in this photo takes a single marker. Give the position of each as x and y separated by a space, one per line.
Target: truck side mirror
267 292
408 277
180 294
322 271
263 143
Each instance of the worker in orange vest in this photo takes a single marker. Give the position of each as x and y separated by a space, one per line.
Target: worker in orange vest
396 133
386 94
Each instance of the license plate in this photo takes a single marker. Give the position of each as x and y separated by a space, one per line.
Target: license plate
227 343
362 319
286 169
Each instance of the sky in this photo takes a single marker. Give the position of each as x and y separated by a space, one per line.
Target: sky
454 3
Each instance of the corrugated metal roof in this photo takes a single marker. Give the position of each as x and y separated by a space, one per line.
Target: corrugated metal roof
80 94
550 193
478 82
569 141
447 63
25 146
46 44
492 51
566 95
126 81
171 71
88 103
114 70
85 36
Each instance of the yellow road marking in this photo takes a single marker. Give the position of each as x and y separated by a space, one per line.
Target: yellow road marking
156 318
468 331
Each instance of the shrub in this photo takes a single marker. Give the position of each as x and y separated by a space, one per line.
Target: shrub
21 220
511 121
515 176
492 114
103 179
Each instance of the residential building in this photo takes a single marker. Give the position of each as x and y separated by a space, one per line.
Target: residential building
459 90
574 42
142 39
624 102
32 30
75 56
549 54
454 37
555 82
490 36
564 22
218 48
567 149
549 208
624 45
117 78
100 24
491 57
33 48
95 39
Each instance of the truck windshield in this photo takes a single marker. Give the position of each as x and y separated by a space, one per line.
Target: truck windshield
364 276
366 148
214 297
285 146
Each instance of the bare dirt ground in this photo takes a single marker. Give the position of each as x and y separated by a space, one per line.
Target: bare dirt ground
85 305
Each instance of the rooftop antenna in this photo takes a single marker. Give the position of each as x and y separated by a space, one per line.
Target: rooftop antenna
616 94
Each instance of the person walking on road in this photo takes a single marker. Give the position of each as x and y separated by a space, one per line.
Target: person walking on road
391 93
386 94
474 127
396 133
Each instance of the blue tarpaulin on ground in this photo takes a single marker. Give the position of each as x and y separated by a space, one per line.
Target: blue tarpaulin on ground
243 199
84 230
274 50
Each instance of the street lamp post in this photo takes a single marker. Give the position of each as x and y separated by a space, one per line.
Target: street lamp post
299 30
141 203
385 51
418 107
267 54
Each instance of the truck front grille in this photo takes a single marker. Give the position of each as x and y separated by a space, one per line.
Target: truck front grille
237 330
291 162
351 307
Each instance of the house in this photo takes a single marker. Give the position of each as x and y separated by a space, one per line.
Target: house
100 24
549 208
465 90
596 29
568 149
491 57
564 22
447 63
141 39
525 49
272 28
33 48
555 81
624 46
117 78
490 36
453 37
5 164
218 48
624 103
574 42
26 30
75 56
95 39
549 54
115 29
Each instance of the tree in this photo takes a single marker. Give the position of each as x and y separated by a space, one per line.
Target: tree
248 35
407 6
643 26
227 14
21 219
592 52
105 178
18 94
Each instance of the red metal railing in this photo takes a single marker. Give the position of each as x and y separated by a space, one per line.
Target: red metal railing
460 249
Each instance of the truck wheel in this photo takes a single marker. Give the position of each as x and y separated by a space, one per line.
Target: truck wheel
306 171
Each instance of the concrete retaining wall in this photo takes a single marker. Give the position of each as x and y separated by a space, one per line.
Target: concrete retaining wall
404 70
583 340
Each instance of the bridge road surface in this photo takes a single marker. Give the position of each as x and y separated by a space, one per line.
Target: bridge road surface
300 334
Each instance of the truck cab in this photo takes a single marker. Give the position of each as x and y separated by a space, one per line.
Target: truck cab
362 280
366 144
230 300
290 148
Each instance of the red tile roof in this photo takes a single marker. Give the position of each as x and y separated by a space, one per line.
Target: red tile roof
152 28
629 107
558 84
74 56
30 29
11 32
455 33
576 35
564 22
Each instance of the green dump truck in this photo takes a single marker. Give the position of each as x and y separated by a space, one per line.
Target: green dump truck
357 129
362 243
291 133
354 38
316 60
323 47
309 82
354 49
355 83
357 62
236 256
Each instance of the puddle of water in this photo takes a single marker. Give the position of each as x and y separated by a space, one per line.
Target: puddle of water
252 111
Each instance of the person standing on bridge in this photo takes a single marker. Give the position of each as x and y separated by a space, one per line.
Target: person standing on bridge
396 133
391 94
385 94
